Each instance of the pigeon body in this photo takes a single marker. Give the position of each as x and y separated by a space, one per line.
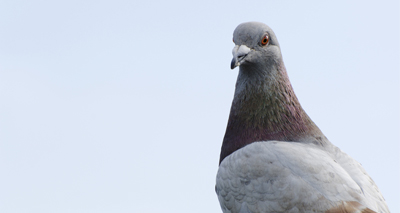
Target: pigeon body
273 157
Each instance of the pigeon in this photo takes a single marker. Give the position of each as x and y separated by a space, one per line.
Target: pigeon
273 156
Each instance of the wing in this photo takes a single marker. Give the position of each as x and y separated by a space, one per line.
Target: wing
370 190
286 177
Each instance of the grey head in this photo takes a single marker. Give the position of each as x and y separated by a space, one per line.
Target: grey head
256 46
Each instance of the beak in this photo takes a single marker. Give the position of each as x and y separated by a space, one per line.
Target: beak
239 53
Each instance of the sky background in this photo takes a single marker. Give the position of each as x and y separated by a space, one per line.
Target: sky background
121 106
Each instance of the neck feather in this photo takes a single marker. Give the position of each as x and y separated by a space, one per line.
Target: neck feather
267 109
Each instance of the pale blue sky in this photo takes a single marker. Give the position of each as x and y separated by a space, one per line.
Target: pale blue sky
121 106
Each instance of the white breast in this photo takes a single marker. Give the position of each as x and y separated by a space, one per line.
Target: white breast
293 177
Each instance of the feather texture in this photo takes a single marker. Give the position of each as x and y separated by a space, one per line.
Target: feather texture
273 156
350 207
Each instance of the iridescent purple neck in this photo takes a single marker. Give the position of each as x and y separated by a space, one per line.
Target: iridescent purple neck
264 110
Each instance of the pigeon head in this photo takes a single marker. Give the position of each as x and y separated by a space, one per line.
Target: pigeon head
255 46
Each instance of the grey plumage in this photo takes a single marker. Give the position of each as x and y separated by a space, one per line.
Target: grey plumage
273 157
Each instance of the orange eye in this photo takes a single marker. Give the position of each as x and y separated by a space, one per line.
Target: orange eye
233 40
265 40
